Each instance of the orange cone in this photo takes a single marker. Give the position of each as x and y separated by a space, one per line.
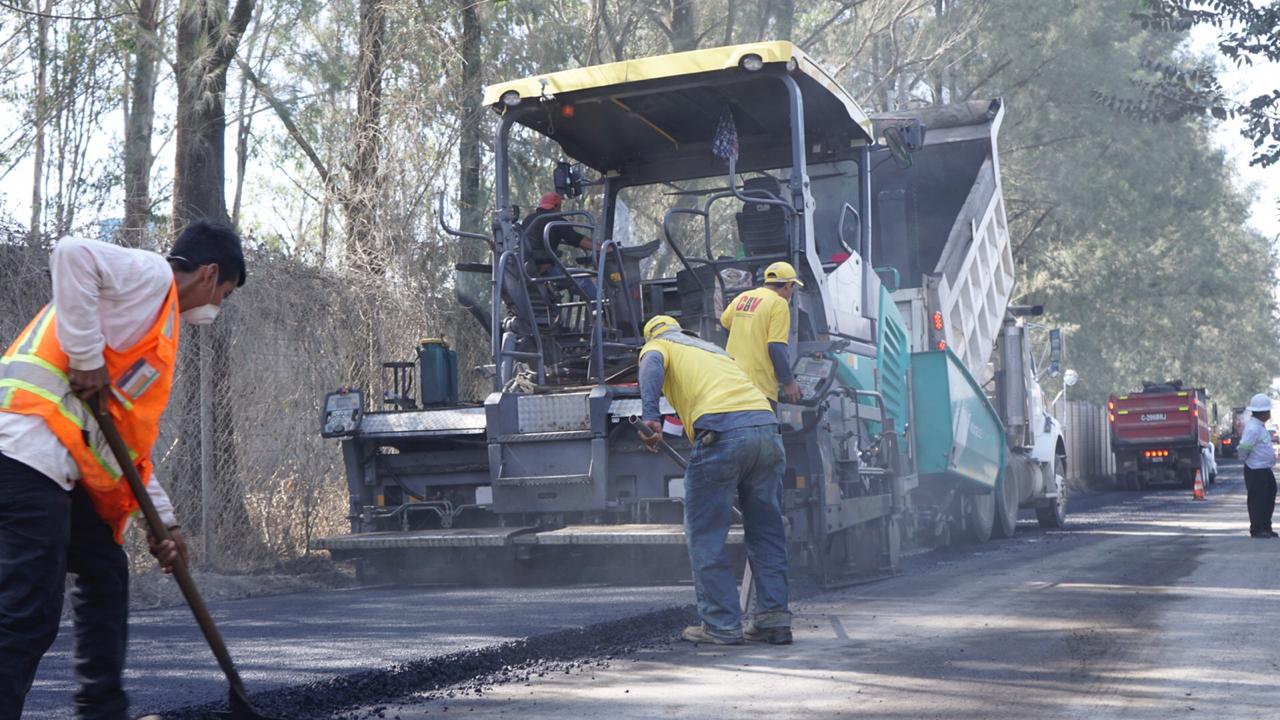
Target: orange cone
1197 490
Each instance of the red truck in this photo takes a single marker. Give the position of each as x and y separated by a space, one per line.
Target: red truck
1230 438
1161 435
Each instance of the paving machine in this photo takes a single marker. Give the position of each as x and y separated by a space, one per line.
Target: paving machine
921 417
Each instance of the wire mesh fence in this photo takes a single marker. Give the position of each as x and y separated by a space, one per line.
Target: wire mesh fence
239 450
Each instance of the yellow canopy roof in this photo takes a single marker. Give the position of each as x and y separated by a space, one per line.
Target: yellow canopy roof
664 109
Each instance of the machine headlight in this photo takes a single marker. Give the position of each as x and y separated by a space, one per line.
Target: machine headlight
751 63
511 98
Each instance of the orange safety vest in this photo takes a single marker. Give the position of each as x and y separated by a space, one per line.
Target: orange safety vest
33 381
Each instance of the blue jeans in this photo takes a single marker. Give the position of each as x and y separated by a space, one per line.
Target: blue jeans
745 464
586 285
45 533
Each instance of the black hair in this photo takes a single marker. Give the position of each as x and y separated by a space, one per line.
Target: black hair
207 241
1259 413
775 284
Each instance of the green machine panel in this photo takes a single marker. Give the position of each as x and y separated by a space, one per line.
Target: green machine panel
887 372
959 437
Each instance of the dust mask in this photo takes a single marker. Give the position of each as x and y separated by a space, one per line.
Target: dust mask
202 315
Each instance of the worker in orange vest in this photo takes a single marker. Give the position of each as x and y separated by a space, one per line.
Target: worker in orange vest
111 332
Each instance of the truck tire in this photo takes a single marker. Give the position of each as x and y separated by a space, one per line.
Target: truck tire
979 516
1006 494
1054 515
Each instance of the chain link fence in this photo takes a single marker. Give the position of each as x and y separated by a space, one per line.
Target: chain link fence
239 450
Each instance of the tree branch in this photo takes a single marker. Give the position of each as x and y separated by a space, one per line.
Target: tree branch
286 118
236 25
54 16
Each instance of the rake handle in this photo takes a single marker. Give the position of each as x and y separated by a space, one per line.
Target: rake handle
180 571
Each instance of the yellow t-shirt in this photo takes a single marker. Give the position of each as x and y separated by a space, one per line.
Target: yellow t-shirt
754 319
698 381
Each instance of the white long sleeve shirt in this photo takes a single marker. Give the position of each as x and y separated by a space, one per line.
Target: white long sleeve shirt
1255 443
104 295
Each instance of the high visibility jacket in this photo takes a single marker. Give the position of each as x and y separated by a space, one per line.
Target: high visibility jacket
702 379
754 319
33 381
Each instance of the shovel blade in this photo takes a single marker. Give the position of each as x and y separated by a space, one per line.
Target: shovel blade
241 708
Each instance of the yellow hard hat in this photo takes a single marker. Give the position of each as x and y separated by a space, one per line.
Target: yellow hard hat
782 272
659 324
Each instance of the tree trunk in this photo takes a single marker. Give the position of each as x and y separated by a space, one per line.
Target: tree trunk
684 34
206 43
138 127
40 115
785 17
207 40
730 19
363 192
469 201
244 126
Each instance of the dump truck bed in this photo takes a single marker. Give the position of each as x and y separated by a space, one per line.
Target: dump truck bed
1159 418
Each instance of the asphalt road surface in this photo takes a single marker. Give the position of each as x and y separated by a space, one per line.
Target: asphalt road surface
1150 605
293 639
1155 607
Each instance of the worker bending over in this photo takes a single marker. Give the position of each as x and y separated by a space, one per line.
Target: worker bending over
759 325
737 454
113 329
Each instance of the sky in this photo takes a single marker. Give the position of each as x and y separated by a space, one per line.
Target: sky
1244 83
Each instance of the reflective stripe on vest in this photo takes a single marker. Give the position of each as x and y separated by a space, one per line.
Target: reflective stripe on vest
34 380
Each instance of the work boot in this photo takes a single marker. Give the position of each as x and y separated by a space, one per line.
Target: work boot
699 634
771 635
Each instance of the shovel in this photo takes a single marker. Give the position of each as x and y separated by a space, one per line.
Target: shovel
748 582
241 708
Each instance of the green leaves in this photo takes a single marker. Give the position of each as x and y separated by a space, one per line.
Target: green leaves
1131 230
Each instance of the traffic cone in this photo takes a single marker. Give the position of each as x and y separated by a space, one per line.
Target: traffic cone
1197 490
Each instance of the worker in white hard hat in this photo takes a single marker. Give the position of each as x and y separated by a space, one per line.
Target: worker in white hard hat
759 325
1259 455
737 454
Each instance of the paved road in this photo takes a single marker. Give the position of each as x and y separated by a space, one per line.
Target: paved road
1156 607
292 639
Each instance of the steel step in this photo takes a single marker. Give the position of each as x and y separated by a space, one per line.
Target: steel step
453 537
653 534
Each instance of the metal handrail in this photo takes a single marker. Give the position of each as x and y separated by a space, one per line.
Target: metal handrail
666 233
768 199
555 257
897 277
499 276
449 229
840 228
597 320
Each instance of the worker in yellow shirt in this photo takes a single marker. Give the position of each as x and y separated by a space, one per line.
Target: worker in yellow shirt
737 454
759 325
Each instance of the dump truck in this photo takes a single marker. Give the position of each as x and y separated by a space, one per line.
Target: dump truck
1229 436
1161 435
921 418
